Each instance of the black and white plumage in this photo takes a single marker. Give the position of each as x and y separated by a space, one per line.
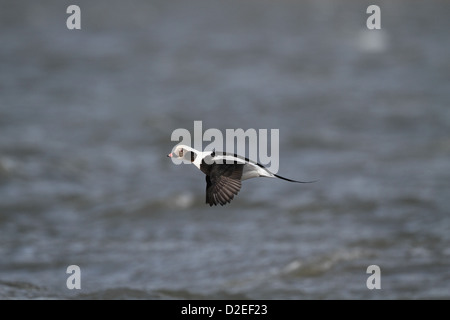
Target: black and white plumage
224 172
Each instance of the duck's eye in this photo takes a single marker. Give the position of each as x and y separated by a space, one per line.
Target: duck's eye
181 152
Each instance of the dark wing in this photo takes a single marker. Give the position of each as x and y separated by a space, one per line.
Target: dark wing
222 183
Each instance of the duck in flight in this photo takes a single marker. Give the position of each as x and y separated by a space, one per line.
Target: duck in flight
224 172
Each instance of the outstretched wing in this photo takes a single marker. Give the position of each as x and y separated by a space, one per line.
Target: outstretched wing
223 182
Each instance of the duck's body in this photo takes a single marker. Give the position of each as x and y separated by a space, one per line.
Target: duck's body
224 172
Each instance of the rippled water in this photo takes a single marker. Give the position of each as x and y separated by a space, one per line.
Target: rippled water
85 124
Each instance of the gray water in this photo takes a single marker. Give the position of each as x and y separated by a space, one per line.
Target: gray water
86 118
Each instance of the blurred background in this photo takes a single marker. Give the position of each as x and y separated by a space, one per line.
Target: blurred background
86 118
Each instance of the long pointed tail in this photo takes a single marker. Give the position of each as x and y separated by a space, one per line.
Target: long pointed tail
290 180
